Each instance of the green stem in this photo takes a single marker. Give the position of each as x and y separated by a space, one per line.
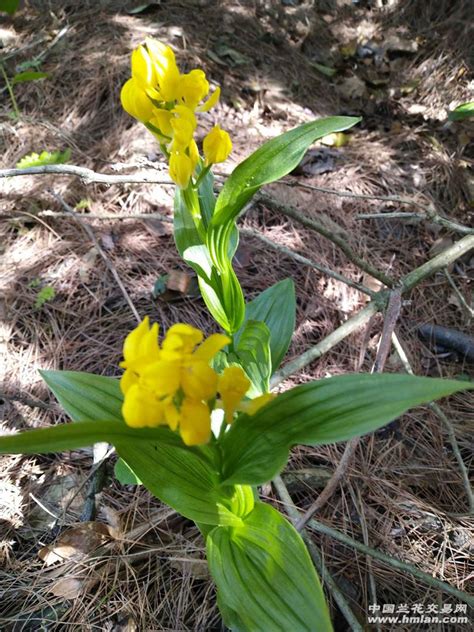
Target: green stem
10 91
191 200
201 176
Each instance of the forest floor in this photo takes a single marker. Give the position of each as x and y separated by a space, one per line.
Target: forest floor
402 67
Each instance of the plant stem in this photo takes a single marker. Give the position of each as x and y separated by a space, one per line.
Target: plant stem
10 92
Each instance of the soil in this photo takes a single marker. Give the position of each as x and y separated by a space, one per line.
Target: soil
402 67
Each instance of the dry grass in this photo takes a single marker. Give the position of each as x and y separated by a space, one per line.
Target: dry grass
404 484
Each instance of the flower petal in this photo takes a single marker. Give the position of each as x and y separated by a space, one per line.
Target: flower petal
232 386
131 344
198 380
211 102
195 424
162 377
208 349
135 101
141 409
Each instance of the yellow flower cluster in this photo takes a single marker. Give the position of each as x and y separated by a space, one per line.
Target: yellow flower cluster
174 385
167 101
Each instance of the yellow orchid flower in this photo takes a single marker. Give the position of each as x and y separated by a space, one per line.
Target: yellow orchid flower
217 145
181 168
167 101
173 384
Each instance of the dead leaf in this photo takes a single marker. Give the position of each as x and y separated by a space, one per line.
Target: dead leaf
178 281
175 285
108 241
75 543
338 139
114 523
68 588
398 44
348 50
196 567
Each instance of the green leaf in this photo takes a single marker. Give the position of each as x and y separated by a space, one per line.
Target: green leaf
327 71
46 294
9 6
45 158
463 111
86 396
256 448
185 478
273 160
29 75
276 307
264 576
124 474
253 354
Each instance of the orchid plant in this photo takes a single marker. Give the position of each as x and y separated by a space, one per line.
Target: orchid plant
192 418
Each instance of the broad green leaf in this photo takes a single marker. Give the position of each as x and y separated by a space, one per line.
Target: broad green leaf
463 111
44 158
85 395
276 307
29 75
9 6
330 410
253 354
124 474
264 576
185 478
273 160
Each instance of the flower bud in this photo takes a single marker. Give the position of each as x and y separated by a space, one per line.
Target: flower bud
217 145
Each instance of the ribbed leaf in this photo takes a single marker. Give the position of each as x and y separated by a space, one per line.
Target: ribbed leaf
253 354
270 162
85 395
264 576
330 410
124 473
276 307
184 478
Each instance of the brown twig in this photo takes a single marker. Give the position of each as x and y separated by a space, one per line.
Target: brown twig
391 317
308 262
444 259
339 241
87 175
26 400
428 214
